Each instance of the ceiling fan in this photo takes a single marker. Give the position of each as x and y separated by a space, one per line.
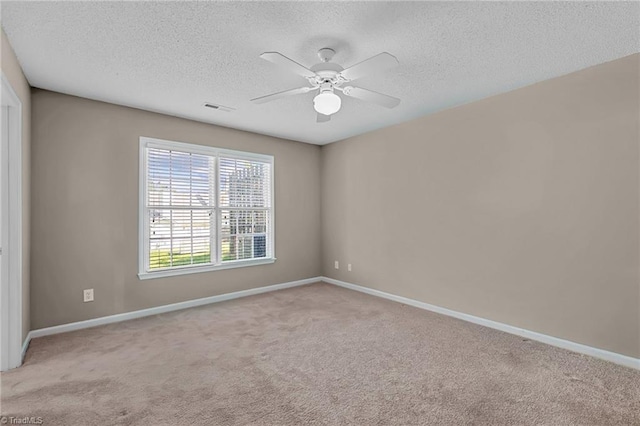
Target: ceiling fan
328 77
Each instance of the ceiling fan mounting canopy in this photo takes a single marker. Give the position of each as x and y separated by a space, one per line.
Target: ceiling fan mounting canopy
326 77
326 54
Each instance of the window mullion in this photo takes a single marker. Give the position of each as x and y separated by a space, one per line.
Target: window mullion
191 202
214 240
171 210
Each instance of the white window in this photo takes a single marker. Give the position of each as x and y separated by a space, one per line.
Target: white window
203 208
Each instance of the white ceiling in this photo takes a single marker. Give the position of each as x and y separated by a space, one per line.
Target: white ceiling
173 57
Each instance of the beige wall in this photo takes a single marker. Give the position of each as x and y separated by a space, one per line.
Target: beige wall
521 208
13 73
85 210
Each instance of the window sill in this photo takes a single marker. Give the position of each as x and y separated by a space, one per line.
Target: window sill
207 268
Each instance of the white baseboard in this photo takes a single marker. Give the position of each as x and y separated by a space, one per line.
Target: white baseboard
25 346
160 309
550 340
625 360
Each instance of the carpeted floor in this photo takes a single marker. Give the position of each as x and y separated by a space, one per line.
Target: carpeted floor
316 354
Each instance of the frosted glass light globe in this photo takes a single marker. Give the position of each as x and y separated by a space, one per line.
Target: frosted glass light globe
327 103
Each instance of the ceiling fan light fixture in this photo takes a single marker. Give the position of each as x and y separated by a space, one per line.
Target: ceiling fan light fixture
326 77
327 103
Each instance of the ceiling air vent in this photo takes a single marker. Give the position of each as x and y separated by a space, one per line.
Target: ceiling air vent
218 107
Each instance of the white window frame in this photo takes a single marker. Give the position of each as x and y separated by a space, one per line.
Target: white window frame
143 217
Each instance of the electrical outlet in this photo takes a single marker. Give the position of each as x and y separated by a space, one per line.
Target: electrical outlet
349 267
88 295
337 265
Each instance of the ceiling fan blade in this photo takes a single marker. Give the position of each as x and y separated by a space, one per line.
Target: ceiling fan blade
371 96
291 65
380 62
323 118
274 96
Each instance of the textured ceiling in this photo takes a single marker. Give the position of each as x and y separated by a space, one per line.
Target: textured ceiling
173 57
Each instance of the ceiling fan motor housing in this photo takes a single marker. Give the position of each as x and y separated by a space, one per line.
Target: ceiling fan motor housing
326 72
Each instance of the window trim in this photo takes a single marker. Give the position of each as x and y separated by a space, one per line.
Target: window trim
143 225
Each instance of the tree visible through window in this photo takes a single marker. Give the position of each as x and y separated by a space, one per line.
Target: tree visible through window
204 206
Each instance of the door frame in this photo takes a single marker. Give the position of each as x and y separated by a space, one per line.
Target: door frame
11 232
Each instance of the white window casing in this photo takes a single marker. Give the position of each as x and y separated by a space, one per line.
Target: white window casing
203 209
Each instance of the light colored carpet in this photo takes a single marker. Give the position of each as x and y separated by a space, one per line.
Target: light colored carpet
316 354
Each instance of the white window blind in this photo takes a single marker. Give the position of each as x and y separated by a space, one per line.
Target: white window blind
245 207
203 208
